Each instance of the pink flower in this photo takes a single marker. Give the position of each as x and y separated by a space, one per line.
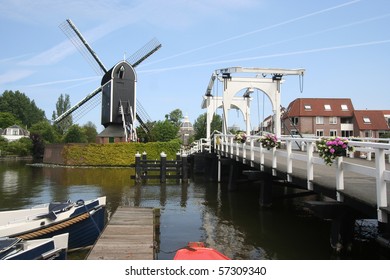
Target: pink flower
332 151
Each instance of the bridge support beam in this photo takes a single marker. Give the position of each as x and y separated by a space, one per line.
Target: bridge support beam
234 173
343 222
265 196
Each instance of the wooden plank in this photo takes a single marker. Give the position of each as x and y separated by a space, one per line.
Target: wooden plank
129 235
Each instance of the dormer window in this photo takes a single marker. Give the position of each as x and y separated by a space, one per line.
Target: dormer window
308 107
327 107
344 107
366 120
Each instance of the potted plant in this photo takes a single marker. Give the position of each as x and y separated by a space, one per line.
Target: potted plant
269 141
331 148
240 137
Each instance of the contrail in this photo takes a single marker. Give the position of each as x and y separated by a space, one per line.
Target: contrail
63 81
269 56
256 31
303 36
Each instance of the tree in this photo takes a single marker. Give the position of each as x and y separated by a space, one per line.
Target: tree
200 125
143 135
21 107
7 119
175 117
90 132
63 105
164 131
46 132
75 134
38 146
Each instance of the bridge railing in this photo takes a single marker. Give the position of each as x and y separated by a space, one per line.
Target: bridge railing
251 151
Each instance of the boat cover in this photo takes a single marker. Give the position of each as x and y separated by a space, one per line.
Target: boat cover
197 251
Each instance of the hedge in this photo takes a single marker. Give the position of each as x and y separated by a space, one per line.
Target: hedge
116 154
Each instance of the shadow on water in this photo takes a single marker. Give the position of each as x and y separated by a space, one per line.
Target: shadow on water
232 222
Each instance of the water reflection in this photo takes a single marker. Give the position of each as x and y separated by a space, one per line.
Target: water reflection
232 222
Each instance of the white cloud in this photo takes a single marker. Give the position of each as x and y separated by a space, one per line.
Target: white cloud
15 75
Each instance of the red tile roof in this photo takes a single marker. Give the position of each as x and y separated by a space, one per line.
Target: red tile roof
306 107
371 120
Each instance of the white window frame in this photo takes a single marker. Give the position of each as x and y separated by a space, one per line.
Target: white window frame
327 107
344 107
333 132
332 120
307 107
319 120
319 132
294 120
366 120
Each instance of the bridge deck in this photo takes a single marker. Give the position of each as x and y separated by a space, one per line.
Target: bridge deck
357 186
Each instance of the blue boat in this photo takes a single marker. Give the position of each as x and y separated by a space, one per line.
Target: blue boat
54 248
83 220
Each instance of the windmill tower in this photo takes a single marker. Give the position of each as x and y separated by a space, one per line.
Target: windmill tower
120 109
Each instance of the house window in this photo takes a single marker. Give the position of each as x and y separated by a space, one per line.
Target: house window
366 120
319 132
346 133
332 120
327 107
344 107
308 107
294 120
333 132
367 133
15 132
345 120
319 120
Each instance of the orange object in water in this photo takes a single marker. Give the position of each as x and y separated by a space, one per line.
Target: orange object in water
198 251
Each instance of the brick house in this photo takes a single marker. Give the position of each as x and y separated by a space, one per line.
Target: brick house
371 123
333 117
319 117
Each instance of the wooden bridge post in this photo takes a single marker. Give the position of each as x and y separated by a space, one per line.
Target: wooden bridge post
342 230
184 168
265 196
144 158
178 166
138 170
163 167
234 172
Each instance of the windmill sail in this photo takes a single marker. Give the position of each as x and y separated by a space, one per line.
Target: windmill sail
82 45
78 105
143 118
143 53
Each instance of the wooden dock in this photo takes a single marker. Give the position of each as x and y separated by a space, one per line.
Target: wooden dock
131 234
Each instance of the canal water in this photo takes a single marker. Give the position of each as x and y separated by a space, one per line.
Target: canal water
231 222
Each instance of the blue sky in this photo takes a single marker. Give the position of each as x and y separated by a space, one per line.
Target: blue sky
344 46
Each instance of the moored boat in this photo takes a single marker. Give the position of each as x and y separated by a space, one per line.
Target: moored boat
198 251
83 220
53 248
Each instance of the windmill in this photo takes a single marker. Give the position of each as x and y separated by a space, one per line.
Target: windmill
119 106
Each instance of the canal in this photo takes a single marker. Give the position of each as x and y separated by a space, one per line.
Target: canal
232 222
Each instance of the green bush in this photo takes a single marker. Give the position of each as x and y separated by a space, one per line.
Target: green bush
21 147
116 154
